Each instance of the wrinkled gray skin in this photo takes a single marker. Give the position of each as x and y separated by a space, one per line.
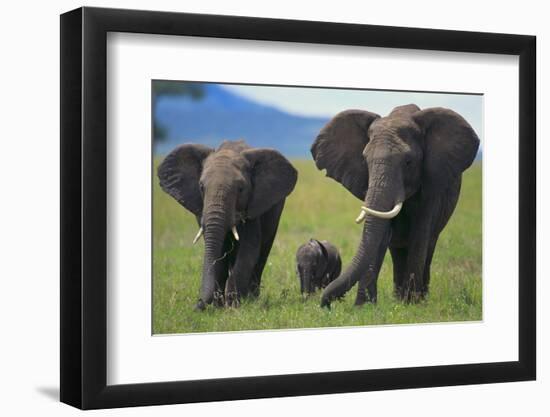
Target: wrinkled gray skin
412 156
234 185
318 263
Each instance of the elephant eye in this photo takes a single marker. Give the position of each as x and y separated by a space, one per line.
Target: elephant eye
408 162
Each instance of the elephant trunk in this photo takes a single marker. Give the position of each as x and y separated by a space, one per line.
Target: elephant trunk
363 264
217 221
306 281
382 196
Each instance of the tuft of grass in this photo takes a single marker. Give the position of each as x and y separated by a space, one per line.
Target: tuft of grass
321 208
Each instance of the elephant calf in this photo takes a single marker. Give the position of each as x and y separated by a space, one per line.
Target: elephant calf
237 195
318 263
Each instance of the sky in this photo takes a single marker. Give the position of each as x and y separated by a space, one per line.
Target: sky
326 102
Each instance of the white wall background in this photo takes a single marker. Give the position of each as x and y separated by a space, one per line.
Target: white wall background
29 213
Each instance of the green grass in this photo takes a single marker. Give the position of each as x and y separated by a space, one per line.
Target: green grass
321 208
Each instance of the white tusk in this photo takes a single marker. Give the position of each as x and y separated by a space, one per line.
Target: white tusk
199 234
381 214
361 216
235 234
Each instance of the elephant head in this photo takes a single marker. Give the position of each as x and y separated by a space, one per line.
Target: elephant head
317 264
384 161
223 188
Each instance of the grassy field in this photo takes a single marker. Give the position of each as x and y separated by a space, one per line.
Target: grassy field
321 208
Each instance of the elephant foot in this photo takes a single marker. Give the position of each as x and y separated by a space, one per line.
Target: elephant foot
254 290
233 304
398 293
415 297
218 299
232 300
411 297
363 298
359 302
409 292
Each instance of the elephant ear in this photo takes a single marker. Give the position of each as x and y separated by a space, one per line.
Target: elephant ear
322 248
339 149
180 172
450 145
273 178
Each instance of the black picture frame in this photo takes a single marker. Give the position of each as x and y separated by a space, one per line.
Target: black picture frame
84 207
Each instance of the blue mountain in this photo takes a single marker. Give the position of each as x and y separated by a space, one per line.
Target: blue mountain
220 114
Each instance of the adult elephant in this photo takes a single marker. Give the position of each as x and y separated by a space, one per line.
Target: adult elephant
237 194
407 169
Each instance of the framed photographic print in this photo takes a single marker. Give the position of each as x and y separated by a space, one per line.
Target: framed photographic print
258 208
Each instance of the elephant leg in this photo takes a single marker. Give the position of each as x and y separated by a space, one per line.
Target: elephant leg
399 258
416 262
242 270
372 289
431 250
446 205
371 293
434 215
231 293
269 223
366 294
421 238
